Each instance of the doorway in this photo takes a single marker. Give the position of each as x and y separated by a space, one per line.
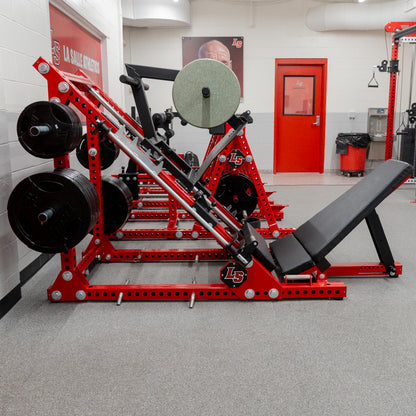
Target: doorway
300 112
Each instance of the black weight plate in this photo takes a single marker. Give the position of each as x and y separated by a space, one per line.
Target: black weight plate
108 152
237 193
117 204
52 212
63 129
82 152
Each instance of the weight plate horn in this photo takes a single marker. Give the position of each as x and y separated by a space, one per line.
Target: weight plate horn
52 212
49 130
206 93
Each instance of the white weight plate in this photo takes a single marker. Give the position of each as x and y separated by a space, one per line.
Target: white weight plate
224 93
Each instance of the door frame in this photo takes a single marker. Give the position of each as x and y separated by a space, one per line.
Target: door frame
323 63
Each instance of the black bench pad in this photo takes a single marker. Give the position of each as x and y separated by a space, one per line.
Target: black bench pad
290 256
328 227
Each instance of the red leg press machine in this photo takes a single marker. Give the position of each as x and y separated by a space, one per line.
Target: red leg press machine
52 212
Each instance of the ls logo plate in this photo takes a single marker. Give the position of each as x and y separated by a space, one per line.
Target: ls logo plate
233 274
235 158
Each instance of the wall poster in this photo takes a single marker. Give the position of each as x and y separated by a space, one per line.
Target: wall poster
226 49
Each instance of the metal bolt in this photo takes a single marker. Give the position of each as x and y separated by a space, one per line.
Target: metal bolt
108 257
55 100
92 152
133 216
80 295
275 234
222 158
195 234
56 295
63 87
249 158
273 293
97 242
249 293
178 234
183 216
322 276
119 235
98 257
43 68
67 276
140 204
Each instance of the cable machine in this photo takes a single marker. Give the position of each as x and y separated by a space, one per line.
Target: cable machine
403 33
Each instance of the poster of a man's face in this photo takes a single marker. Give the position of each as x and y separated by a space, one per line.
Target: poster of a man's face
228 50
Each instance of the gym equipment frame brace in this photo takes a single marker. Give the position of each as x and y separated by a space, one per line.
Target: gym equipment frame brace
398 33
249 272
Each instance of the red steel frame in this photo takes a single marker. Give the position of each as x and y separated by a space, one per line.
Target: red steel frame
72 284
393 27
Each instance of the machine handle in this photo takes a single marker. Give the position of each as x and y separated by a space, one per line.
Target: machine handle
318 121
125 79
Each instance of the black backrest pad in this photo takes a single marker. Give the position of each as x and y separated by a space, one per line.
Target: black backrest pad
328 227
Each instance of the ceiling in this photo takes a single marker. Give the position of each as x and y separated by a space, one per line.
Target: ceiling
285 1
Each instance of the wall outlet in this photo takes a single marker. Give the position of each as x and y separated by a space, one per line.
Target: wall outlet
352 115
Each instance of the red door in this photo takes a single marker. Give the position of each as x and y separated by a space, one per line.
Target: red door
299 122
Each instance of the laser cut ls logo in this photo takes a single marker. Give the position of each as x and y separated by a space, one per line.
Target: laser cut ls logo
233 274
235 158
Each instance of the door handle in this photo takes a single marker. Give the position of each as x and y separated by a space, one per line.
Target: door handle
318 121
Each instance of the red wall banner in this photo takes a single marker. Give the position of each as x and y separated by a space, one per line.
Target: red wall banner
74 48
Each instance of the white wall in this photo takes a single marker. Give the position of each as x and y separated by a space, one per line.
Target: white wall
275 30
24 36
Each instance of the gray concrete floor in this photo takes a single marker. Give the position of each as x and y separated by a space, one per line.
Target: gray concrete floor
316 357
